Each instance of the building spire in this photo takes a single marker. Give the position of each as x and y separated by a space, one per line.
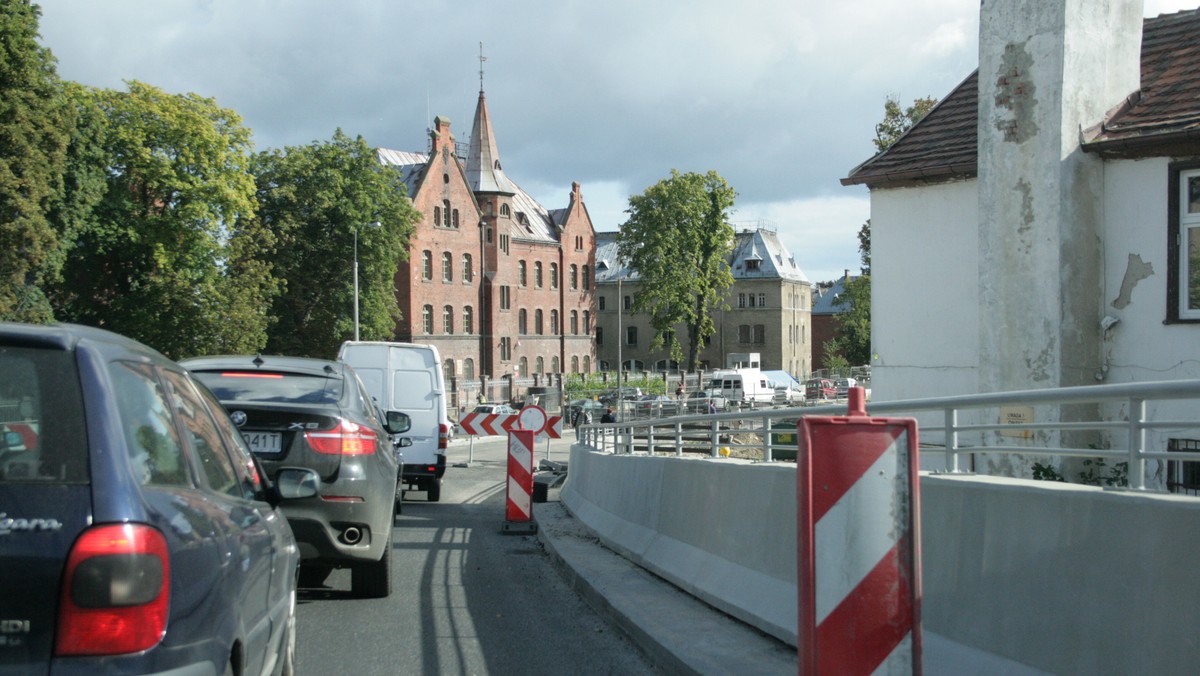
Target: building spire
482 58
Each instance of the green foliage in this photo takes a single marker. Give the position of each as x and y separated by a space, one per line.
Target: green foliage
853 341
588 385
1096 474
1046 473
678 237
864 246
35 124
314 199
897 120
150 260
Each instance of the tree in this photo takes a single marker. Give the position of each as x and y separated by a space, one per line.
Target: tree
678 238
314 199
853 341
35 125
160 256
896 120
864 246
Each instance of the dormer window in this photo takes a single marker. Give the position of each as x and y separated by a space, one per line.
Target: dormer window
752 264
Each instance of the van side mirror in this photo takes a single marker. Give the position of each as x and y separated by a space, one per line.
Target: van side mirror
397 422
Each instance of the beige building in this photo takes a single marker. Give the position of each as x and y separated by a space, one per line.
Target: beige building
769 309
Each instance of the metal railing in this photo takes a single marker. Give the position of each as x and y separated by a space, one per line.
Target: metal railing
1118 433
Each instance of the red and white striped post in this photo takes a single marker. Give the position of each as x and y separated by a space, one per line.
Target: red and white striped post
519 505
859 562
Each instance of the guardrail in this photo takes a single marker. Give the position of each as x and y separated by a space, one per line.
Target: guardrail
1117 429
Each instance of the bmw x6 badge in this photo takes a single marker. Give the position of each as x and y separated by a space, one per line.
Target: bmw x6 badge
238 418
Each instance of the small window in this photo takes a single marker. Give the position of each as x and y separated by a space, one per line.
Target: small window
427 265
427 319
522 274
1183 291
504 211
468 320
467 274
448 319
447 267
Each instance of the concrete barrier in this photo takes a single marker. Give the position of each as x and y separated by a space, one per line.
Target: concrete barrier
1060 577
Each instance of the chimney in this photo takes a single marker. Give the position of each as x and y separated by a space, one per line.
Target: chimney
1047 70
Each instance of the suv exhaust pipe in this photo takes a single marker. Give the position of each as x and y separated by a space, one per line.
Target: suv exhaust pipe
352 535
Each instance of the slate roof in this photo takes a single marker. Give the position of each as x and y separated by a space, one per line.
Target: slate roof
1163 117
825 299
752 243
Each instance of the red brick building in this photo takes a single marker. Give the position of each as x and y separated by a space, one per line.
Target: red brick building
497 282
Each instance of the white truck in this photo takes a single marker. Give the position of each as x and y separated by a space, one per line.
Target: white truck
407 377
743 387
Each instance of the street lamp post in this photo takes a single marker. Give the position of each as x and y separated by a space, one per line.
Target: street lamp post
373 224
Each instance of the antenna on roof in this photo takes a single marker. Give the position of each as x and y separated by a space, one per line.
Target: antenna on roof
482 58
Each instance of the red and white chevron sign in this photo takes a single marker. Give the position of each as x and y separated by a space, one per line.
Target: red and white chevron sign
519 503
494 424
859 559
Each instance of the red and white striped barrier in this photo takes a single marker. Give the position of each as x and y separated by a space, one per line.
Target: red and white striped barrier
494 424
859 559
519 505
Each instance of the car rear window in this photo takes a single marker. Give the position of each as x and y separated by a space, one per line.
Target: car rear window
42 429
284 388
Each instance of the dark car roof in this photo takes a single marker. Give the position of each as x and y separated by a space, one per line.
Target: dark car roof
69 336
301 365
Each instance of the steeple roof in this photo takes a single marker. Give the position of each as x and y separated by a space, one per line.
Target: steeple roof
484 173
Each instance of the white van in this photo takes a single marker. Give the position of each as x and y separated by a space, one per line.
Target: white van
743 386
407 377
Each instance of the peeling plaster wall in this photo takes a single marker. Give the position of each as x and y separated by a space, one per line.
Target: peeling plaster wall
1047 69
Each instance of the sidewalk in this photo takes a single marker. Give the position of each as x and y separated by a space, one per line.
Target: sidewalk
679 633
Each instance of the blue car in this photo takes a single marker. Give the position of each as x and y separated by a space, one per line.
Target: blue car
137 533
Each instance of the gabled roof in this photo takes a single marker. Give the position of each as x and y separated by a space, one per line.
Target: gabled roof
1163 117
759 244
827 299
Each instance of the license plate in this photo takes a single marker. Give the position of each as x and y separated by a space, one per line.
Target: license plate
263 442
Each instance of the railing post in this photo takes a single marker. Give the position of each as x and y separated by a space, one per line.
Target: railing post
678 440
649 438
952 439
768 444
1137 443
716 438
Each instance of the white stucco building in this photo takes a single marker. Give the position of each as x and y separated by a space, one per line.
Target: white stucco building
1040 227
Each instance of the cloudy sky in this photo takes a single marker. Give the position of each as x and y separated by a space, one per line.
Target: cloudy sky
780 97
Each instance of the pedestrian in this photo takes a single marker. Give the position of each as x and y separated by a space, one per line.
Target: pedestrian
712 407
608 416
582 417
679 390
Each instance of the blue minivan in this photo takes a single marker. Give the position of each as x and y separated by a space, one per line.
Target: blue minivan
137 533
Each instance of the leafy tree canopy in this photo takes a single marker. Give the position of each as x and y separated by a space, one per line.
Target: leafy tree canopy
316 199
678 238
897 120
35 123
151 260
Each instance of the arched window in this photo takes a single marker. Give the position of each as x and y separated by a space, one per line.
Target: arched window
587 364
554 364
437 216
587 321
427 265
427 318
537 274
447 267
448 369
537 321
468 320
504 211
469 369
448 319
446 213
574 277
523 368
522 274
554 276
554 322
539 366
455 219
574 363
574 322
587 279
522 322
468 275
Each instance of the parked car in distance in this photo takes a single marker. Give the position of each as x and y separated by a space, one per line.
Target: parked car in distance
137 533
788 395
592 406
817 389
623 394
655 406
315 413
698 401
843 386
495 409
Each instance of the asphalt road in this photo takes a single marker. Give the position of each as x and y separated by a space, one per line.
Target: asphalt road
466 598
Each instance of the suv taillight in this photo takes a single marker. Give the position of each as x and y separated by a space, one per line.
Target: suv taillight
115 592
443 436
348 438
